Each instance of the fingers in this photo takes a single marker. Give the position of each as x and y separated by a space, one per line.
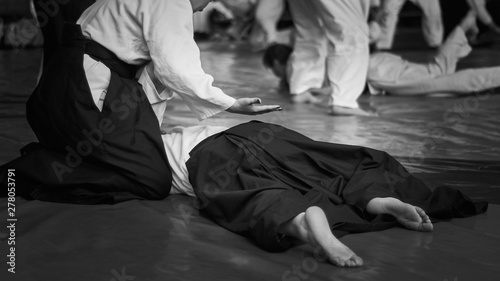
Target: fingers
261 109
252 106
258 108
255 101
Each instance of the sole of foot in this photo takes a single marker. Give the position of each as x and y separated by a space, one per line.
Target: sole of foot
305 98
347 111
316 231
409 216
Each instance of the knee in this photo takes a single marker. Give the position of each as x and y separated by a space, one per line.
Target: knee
157 188
160 191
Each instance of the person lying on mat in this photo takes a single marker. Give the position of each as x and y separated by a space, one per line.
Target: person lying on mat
391 74
270 184
257 179
274 185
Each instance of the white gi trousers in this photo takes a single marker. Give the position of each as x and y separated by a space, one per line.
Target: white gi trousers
267 15
392 74
332 37
432 23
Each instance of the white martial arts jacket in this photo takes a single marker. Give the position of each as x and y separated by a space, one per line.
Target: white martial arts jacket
178 143
385 68
160 32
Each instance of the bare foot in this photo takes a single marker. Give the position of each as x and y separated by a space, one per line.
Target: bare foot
348 111
469 26
305 97
411 217
312 227
325 91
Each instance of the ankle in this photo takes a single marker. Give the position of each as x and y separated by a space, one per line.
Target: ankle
294 227
379 205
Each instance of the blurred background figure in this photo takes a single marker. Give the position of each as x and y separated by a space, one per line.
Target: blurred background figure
392 74
259 22
267 16
432 25
211 23
18 29
331 38
273 24
276 58
243 12
484 14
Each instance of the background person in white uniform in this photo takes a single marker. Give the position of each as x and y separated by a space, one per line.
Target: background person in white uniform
267 16
394 75
432 25
159 32
391 74
332 38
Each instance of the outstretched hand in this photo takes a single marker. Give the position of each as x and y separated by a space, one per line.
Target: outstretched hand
252 106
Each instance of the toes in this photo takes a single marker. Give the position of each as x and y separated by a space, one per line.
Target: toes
357 260
340 262
350 263
420 212
354 261
423 215
426 227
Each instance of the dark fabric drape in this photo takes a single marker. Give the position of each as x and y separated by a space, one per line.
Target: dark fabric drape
253 177
84 155
52 16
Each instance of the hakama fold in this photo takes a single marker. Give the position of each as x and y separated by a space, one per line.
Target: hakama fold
84 155
256 176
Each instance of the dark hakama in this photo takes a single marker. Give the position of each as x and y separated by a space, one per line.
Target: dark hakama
52 16
253 177
84 155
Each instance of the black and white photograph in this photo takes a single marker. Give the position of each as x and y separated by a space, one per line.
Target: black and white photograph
249 140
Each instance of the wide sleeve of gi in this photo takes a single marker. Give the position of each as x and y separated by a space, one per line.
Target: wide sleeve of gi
168 32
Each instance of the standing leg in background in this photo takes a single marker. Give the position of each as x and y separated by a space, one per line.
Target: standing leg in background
347 32
307 66
391 10
432 22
